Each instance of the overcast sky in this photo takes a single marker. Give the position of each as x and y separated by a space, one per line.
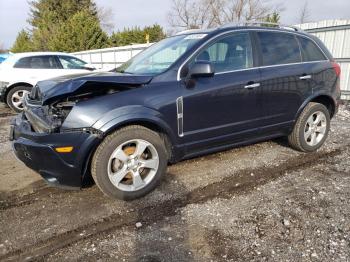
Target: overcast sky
14 13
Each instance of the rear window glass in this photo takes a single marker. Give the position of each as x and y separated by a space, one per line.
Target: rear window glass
37 62
310 51
279 48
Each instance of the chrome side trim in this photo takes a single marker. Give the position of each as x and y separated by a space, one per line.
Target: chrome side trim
180 116
305 77
252 86
245 30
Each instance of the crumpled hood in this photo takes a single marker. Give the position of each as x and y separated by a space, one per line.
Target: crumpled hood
55 89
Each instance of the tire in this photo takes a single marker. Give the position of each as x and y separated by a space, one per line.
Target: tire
15 97
118 165
311 129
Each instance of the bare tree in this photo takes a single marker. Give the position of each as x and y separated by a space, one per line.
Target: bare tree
106 16
189 14
304 14
2 48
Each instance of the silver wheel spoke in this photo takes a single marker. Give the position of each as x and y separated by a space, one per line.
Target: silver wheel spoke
149 163
118 176
16 96
321 129
137 179
17 104
313 139
317 119
310 121
308 134
120 155
320 119
140 147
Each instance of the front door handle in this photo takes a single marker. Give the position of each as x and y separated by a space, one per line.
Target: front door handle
305 77
252 85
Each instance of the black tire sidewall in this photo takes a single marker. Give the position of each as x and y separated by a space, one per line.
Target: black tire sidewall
11 92
101 162
305 116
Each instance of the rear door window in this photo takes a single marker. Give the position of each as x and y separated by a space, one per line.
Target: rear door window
310 51
279 48
37 62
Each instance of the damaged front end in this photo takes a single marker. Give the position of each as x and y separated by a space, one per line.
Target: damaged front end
59 114
45 119
50 102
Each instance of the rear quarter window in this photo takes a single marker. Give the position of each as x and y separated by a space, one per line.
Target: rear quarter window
310 51
279 48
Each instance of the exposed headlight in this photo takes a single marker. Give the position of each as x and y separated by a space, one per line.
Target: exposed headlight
3 84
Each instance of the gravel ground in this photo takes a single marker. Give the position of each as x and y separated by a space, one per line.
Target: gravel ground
254 203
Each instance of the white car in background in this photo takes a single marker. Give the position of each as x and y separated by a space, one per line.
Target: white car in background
20 72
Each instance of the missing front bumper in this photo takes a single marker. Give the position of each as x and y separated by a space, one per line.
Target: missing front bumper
36 150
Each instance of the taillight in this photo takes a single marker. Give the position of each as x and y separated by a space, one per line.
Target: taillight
337 69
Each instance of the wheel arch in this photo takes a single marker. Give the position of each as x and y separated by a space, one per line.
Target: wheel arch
152 125
151 122
15 85
324 99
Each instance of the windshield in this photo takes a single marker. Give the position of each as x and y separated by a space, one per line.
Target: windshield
70 62
160 56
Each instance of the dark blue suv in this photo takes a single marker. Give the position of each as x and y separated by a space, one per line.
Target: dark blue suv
191 94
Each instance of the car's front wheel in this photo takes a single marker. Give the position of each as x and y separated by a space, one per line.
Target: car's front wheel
311 129
129 163
15 97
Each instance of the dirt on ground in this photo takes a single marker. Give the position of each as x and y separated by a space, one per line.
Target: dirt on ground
253 203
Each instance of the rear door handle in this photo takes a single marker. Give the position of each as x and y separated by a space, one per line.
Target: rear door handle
304 77
251 86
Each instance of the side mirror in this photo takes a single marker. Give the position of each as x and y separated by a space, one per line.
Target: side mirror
89 67
201 69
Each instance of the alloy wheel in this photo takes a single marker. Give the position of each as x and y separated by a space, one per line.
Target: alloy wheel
315 128
18 97
133 165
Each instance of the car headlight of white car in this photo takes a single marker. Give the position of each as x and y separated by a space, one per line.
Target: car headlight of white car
3 84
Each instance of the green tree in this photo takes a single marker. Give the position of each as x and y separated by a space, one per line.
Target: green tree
156 33
136 35
23 43
81 32
47 12
127 37
273 18
47 17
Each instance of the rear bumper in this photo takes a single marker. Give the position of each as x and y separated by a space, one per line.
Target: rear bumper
37 151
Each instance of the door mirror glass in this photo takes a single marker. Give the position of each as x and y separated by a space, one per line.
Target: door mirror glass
201 69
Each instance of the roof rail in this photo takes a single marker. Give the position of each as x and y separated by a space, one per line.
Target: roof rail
262 23
188 31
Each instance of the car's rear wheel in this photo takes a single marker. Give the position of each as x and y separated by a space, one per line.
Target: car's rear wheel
129 163
15 97
311 128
